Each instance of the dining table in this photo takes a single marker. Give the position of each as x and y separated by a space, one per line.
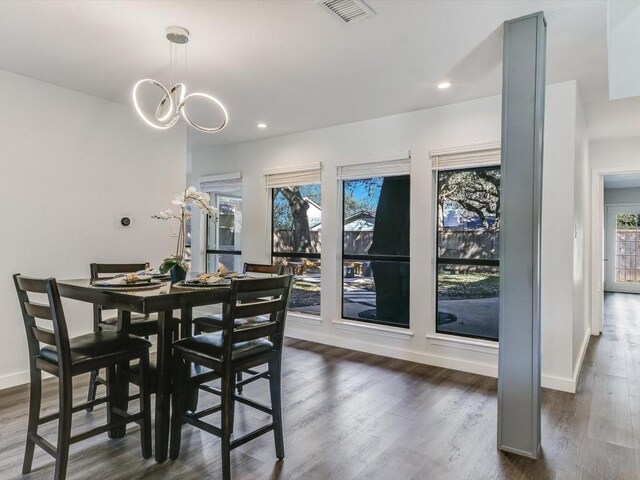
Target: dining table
163 299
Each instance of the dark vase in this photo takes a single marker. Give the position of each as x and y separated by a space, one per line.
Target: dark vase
177 273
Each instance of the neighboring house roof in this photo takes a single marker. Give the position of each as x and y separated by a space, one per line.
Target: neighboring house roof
360 225
453 220
314 214
359 222
362 221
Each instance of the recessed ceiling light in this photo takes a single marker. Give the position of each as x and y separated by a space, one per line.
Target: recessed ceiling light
444 85
262 125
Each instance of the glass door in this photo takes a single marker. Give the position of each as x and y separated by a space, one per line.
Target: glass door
224 236
622 239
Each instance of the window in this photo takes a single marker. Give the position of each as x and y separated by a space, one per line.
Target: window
296 213
375 243
627 248
224 236
467 262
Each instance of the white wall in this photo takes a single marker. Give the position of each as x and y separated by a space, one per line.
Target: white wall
617 154
70 164
582 242
618 196
460 124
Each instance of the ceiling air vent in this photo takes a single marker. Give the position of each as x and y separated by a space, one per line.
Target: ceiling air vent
349 11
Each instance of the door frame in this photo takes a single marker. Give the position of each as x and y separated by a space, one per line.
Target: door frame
597 243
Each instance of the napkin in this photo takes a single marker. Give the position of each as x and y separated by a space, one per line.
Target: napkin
154 272
121 280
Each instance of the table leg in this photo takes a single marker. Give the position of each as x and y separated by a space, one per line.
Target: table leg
120 384
163 387
186 315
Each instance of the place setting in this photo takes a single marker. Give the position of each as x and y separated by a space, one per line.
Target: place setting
144 280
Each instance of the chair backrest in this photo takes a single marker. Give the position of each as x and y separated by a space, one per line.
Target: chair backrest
58 336
268 297
261 268
110 269
98 269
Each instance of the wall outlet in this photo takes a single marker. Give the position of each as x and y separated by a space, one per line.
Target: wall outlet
174 231
125 221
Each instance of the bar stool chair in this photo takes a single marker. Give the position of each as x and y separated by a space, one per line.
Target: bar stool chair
66 358
141 325
213 323
227 352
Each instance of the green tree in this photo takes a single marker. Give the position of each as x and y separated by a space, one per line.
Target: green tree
476 193
626 220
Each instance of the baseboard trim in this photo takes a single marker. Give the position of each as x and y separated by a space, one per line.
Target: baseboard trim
583 352
19 378
478 368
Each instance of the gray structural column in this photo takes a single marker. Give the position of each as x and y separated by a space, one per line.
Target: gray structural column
523 94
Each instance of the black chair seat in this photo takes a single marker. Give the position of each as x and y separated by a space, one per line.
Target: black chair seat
213 323
141 325
97 345
135 318
210 345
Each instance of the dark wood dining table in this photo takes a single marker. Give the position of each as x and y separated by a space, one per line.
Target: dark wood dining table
163 300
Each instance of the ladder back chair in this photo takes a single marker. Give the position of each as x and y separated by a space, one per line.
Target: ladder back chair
213 323
66 358
141 325
227 352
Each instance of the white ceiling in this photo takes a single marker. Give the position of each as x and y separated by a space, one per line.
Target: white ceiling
293 66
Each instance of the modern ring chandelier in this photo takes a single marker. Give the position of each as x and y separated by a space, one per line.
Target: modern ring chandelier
174 101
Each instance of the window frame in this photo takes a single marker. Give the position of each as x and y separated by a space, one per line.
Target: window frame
272 192
217 251
457 261
365 257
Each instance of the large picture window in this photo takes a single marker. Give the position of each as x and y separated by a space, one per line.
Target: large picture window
296 214
375 249
467 279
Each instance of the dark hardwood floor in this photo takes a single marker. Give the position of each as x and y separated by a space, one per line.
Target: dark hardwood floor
350 415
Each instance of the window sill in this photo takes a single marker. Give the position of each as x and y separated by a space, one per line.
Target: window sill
382 330
473 344
305 318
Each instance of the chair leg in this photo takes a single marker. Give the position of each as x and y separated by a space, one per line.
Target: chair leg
64 427
276 404
228 405
191 390
145 407
238 380
180 374
112 391
93 386
35 400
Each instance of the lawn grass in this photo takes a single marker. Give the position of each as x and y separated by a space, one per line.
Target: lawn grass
468 285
